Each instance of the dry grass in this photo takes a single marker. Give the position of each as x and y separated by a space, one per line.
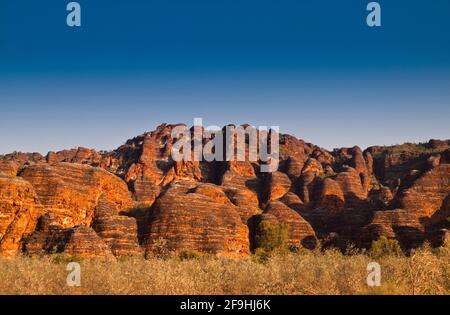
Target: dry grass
425 272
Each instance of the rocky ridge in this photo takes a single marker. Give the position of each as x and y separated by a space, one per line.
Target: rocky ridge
131 200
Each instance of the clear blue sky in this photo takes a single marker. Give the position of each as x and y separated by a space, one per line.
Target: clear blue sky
312 67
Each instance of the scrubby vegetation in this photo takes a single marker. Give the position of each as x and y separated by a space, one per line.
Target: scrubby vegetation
385 247
425 271
271 236
189 254
406 148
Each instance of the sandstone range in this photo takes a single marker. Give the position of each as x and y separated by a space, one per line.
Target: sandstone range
131 200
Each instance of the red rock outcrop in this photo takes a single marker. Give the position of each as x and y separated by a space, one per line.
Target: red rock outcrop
72 191
78 155
295 165
19 209
426 194
352 186
79 241
312 166
396 224
440 145
293 201
357 161
119 232
246 201
83 242
147 167
380 197
332 196
300 232
137 194
11 164
422 207
189 216
243 186
9 167
278 186
306 184
392 164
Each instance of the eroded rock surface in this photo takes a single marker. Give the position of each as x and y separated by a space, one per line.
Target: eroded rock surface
72 191
79 241
122 202
118 231
300 232
193 217
19 210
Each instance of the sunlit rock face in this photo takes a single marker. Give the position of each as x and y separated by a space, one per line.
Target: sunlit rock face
198 217
128 201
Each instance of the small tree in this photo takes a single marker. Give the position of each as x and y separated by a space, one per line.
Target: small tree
385 247
189 254
271 236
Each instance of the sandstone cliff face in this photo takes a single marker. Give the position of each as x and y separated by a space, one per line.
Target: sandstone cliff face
399 224
79 155
189 216
10 164
300 232
19 210
246 201
422 202
426 194
352 185
243 187
79 241
146 165
9 167
68 195
103 204
72 191
392 164
332 196
279 185
118 231
82 241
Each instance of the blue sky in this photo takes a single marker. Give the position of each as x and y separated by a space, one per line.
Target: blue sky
314 68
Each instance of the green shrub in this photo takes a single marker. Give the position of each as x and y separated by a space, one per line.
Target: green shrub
63 258
271 236
385 247
189 254
26 238
261 256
